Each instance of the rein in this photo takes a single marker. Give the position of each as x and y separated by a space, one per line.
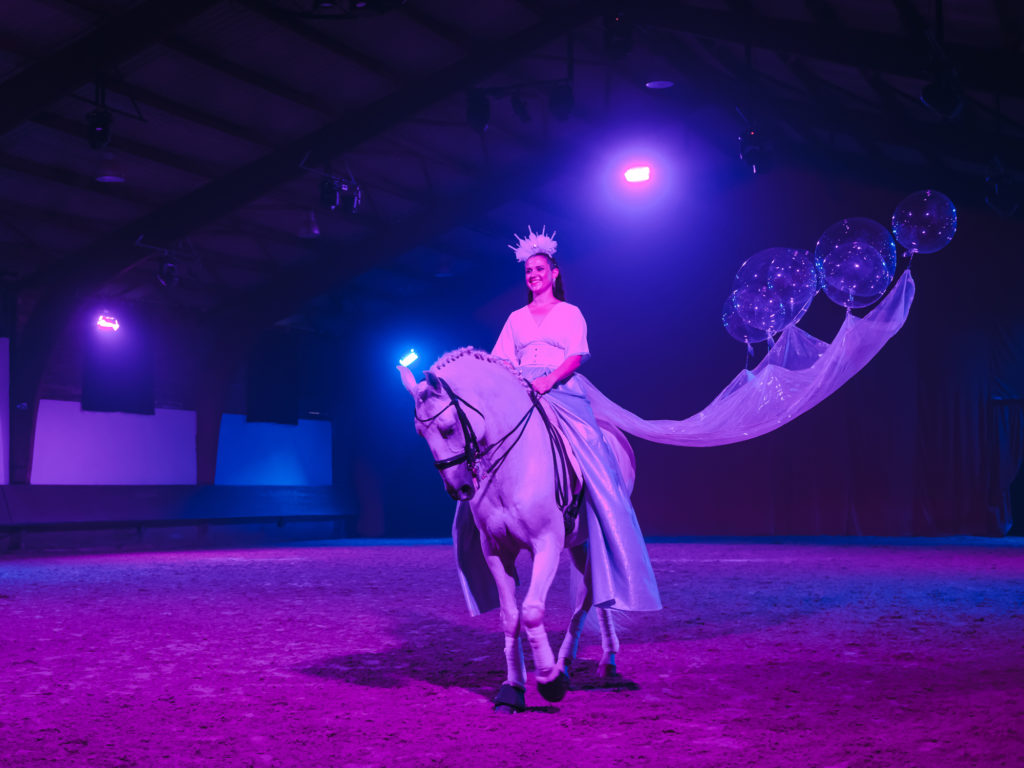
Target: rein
472 454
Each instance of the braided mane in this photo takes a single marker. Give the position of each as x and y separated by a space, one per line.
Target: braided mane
478 354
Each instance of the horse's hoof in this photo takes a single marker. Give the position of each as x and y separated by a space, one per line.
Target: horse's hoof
555 690
510 699
606 671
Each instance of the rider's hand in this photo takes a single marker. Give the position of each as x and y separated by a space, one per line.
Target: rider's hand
542 384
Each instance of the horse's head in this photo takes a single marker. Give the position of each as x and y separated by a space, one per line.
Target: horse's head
453 429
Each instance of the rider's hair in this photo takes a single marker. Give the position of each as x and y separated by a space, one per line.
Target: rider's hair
557 289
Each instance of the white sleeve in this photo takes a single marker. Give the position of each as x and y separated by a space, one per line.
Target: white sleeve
576 336
506 346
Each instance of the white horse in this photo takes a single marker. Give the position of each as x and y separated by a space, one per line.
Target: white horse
492 448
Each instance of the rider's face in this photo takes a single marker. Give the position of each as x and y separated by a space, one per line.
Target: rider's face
539 274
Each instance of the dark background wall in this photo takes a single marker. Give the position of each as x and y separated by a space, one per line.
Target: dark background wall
914 444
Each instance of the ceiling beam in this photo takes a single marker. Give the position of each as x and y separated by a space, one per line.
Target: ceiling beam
966 141
109 256
446 32
312 34
191 114
71 178
1011 23
30 91
121 144
284 298
989 70
711 86
263 81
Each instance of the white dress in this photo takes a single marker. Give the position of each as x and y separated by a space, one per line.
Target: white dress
620 568
545 344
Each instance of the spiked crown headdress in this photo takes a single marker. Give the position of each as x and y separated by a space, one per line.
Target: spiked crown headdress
534 243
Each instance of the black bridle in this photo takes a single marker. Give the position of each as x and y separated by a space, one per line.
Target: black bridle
473 454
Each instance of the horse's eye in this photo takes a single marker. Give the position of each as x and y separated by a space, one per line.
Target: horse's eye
447 432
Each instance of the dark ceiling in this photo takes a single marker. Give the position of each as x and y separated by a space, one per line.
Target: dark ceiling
225 116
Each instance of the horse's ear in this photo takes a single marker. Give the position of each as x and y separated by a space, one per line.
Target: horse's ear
432 381
408 380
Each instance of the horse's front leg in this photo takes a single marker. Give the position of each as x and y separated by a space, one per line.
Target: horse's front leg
552 682
512 694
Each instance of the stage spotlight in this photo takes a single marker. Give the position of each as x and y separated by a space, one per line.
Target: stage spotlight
519 107
478 111
107 323
409 358
561 101
338 193
752 149
638 173
309 229
659 85
97 127
618 35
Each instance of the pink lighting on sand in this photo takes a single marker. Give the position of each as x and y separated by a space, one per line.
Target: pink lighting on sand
638 173
107 323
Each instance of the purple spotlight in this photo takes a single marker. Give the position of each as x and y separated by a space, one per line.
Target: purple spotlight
638 173
107 323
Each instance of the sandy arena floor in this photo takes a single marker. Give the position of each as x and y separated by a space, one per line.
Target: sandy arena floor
822 653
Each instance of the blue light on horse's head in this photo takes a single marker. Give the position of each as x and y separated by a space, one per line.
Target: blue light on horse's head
409 358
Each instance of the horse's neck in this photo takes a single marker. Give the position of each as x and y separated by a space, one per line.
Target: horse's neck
500 394
505 400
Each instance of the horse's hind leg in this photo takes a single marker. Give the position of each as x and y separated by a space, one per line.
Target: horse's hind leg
511 696
609 644
584 600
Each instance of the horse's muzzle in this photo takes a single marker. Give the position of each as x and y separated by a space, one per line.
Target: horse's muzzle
464 492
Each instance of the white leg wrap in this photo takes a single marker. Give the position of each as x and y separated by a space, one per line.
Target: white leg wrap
609 640
543 658
571 642
514 661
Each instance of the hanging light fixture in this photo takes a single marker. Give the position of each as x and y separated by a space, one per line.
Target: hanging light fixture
339 193
97 127
168 275
109 170
309 230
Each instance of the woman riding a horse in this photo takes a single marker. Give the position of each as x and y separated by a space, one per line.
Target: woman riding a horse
511 487
547 341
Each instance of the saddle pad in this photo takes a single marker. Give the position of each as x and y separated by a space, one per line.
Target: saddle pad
617 443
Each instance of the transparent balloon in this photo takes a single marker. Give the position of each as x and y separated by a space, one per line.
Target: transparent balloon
856 230
793 279
759 308
774 288
855 275
735 326
924 221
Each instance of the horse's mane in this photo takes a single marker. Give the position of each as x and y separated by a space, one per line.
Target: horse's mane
478 354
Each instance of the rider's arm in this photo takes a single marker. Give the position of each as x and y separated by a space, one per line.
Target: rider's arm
568 367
